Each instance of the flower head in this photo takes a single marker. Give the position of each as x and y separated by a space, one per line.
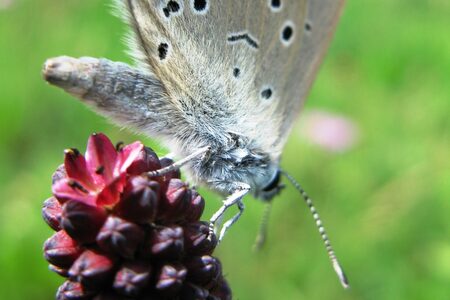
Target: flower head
123 235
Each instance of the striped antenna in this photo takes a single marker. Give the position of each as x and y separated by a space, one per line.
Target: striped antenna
337 267
262 233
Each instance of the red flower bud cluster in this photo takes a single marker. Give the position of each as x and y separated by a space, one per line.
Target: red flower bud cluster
123 235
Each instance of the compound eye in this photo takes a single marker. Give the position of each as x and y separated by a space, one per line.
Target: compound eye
274 183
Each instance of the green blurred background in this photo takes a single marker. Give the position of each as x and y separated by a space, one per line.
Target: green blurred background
385 201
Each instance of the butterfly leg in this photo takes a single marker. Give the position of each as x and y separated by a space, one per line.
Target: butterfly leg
233 199
233 220
203 152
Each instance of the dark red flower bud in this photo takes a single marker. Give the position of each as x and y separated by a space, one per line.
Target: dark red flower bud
145 162
140 200
59 174
221 291
120 237
92 269
177 201
170 279
51 212
61 250
70 290
198 240
63 272
132 278
195 208
165 242
81 221
203 270
193 292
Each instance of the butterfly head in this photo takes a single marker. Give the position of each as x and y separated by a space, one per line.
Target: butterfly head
272 188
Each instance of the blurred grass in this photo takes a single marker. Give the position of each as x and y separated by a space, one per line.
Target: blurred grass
385 202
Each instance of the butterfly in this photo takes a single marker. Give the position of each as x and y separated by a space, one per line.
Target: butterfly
220 83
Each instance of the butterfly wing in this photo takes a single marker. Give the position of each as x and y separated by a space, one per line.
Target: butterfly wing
241 67
317 29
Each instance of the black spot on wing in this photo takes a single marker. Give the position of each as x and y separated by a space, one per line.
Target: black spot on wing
236 72
171 7
236 37
266 93
199 6
308 26
275 5
163 48
287 33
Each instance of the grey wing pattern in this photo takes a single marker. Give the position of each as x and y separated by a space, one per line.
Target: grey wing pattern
318 27
234 66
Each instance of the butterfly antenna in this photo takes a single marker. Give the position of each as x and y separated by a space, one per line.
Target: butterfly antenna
337 267
263 227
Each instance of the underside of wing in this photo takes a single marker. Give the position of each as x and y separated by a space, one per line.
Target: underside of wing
232 66
317 30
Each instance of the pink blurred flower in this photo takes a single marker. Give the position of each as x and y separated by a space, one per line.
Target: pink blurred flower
329 131
5 4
